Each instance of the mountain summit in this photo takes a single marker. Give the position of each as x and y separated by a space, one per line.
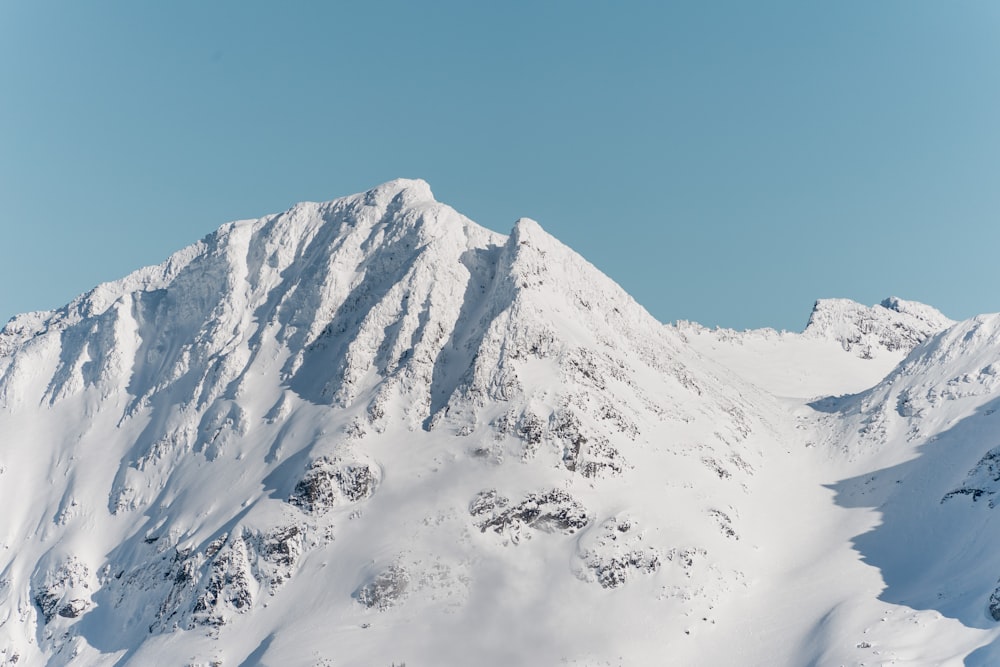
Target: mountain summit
370 431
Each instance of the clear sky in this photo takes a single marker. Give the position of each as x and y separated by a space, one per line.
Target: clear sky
725 162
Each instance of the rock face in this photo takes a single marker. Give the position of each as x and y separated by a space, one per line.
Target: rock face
994 604
982 481
328 482
55 593
386 589
549 512
616 552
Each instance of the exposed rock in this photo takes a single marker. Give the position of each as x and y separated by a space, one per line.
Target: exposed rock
356 481
316 492
388 588
242 570
566 428
615 550
892 325
282 547
488 503
531 429
994 604
982 480
550 512
230 585
73 608
686 557
725 523
206 587
57 593
328 480
591 457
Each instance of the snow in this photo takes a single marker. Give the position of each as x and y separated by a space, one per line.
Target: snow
369 431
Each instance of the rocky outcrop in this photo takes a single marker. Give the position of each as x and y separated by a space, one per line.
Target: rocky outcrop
893 324
994 604
550 512
982 481
615 551
61 591
386 589
329 482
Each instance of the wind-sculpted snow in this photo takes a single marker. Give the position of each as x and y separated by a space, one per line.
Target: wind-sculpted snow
369 431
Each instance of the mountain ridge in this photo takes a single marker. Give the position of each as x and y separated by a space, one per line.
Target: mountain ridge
272 350
372 414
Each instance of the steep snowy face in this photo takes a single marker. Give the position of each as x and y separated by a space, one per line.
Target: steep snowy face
925 447
944 380
322 281
892 325
361 414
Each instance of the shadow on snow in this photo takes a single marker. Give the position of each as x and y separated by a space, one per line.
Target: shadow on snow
936 551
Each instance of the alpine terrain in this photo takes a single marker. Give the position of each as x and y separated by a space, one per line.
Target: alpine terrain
371 432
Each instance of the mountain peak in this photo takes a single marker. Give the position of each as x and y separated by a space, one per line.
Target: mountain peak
525 228
527 233
409 191
920 311
894 324
374 415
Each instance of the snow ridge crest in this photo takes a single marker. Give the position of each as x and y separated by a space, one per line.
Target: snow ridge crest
894 324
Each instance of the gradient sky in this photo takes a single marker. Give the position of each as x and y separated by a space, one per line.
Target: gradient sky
725 162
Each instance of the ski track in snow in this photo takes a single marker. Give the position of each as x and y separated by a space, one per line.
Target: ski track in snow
371 432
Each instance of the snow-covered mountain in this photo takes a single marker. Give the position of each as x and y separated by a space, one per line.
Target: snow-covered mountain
369 431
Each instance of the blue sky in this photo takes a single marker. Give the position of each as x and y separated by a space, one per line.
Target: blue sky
725 162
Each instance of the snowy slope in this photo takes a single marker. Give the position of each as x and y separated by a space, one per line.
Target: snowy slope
813 363
923 444
369 431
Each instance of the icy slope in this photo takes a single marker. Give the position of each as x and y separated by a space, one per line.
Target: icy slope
365 431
